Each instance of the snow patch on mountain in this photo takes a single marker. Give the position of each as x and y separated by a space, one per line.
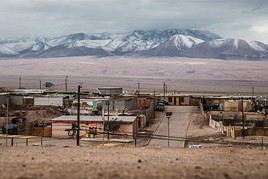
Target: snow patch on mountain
5 50
182 41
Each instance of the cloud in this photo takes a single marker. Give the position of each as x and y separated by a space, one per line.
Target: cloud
240 18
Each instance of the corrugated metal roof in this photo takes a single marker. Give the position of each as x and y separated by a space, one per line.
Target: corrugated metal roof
28 91
3 94
94 118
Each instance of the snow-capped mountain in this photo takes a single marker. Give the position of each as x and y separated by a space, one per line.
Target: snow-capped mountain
171 42
173 47
228 48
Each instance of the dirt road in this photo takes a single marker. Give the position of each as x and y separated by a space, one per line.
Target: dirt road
178 126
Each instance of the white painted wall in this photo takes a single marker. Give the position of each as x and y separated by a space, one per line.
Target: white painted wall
48 101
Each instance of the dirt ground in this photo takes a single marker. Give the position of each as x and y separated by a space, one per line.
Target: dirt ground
62 159
69 161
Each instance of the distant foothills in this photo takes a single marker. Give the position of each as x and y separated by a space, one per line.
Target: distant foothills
152 43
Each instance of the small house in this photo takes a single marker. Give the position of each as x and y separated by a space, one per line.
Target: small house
127 125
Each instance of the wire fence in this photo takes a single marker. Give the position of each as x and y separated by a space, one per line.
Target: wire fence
206 139
149 137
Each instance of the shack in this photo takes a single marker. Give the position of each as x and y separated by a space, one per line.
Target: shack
127 125
24 97
21 100
122 104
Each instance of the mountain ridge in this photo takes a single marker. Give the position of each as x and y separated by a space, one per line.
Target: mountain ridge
170 43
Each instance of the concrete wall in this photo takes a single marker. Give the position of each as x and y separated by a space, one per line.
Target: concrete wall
149 113
235 106
144 103
42 131
48 101
141 121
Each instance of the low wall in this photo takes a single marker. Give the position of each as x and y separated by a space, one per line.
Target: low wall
42 131
58 128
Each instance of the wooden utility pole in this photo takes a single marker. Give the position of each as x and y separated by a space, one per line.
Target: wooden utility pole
154 104
138 88
40 84
7 120
243 119
108 120
103 118
136 131
20 82
78 115
168 115
66 83
164 90
7 115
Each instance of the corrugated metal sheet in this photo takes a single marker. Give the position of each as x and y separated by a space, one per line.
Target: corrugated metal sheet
48 101
94 118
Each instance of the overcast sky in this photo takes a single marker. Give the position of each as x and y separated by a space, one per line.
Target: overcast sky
247 19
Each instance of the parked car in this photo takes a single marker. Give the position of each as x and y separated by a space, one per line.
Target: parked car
162 101
160 107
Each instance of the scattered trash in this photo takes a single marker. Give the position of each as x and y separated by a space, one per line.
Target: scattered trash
195 146
36 144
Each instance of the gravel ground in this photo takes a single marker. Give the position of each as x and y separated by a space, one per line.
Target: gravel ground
69 161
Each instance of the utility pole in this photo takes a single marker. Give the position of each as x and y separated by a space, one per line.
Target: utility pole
164 89
168 130
108 120
7 115
253 94
66 83
168 115
40 84
154 104
243 119
136 132
20 82
6 128
78 116
103 118
138 88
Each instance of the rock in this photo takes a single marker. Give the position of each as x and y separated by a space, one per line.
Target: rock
197 167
